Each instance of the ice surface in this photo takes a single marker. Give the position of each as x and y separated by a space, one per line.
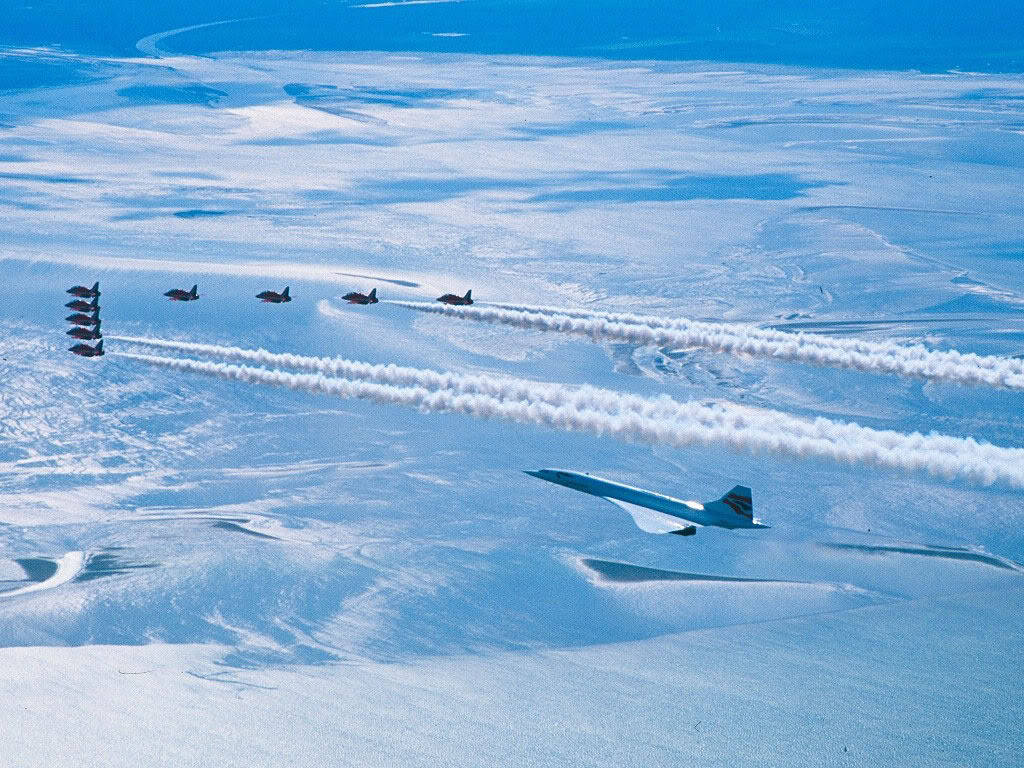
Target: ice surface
256 576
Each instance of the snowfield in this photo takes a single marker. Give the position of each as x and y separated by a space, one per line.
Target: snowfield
298 534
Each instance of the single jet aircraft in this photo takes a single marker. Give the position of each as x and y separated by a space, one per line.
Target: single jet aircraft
656 513
85 293
273 297
361 298
79 319
176 294
81 305
86 351
89 334
458 301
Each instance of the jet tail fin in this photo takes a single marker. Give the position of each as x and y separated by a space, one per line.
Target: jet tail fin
373 294
285 292
740 500
99 347
96 286
195 290
469 295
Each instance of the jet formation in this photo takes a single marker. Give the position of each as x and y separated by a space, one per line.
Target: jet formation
457 301
361 298
177 294
86 326
656 513
652 512
272 297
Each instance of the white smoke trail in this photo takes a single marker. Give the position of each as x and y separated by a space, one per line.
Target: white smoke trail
908 351
501 387
705 427
592 398
747 340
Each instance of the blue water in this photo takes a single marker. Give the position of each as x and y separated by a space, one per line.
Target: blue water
931 36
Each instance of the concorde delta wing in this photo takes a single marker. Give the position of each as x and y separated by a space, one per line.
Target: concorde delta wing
652 521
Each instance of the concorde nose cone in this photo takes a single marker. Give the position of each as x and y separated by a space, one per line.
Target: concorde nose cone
534 472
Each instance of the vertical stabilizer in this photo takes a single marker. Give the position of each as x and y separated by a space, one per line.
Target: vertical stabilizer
373 295
469 295
285 293
740 500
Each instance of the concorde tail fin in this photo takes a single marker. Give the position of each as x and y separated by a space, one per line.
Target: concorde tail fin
740 500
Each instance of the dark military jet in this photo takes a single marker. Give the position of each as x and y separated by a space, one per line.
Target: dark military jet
80 319
81 305
176 294
89 334
86 351
85 293
361 298
273 297
451 298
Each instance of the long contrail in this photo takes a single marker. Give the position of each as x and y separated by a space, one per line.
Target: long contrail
501 387
993 465
895 349
589 398
747 340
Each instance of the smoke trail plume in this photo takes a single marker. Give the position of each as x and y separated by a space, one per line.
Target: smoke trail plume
747 340
587 398
909 351
962 458
501 387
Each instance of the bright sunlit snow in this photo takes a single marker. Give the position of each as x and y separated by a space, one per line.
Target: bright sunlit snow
299 533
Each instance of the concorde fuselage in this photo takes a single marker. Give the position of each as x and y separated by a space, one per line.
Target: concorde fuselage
716 513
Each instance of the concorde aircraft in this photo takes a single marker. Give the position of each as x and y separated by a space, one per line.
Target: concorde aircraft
657 513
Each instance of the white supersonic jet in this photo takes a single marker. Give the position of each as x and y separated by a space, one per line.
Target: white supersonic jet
657 513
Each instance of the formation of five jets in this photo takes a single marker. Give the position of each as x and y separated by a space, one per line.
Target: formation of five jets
86 326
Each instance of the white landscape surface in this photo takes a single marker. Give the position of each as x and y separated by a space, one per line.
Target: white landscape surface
256 575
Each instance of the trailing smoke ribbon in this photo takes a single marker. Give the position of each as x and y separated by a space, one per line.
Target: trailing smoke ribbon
876 357
659 420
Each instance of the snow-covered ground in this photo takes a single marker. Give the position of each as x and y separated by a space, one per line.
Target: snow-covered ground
200 571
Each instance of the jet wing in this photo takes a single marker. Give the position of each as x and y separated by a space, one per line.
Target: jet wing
651 521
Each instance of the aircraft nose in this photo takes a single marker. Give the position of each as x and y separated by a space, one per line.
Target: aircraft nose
534 472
